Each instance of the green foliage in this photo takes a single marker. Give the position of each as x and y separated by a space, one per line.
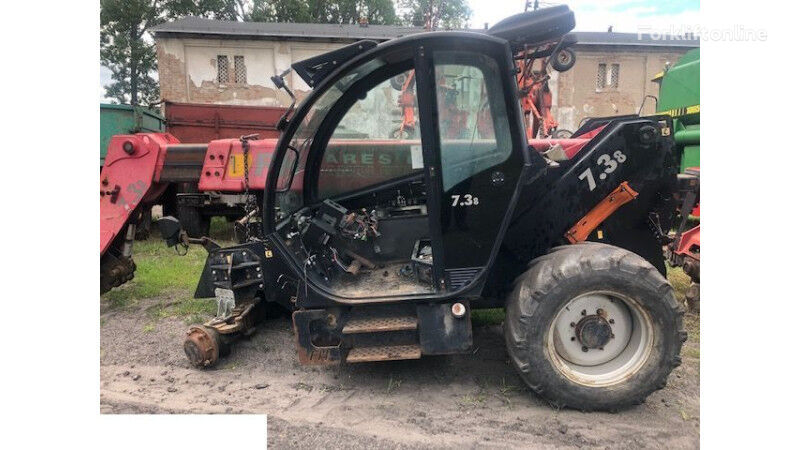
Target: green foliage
679 280
124 51
129 52
379 12
493 316
161 271
447 14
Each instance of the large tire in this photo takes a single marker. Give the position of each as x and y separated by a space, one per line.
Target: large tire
578 275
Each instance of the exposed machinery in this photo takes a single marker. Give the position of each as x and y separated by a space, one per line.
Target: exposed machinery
679 97
380 247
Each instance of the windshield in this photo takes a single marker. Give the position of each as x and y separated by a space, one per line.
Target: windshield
291 200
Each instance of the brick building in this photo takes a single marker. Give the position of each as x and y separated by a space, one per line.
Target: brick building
211 61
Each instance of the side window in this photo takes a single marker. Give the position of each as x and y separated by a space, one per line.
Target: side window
473 123
222 68
376 140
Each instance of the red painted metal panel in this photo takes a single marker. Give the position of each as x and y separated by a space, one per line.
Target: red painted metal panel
223 167
689 244
571 146
127 178
200 123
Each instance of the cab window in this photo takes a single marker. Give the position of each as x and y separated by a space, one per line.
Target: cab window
473 123
376 140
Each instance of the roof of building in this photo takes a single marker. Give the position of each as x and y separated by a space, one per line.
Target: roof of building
197 26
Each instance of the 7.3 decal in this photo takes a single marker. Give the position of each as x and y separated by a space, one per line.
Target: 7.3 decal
608 164
464 200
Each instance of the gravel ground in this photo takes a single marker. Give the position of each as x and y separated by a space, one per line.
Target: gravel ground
473 400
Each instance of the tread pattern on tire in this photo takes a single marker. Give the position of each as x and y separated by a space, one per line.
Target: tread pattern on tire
545 276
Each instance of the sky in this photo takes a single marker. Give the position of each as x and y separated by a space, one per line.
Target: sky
590 15
594 15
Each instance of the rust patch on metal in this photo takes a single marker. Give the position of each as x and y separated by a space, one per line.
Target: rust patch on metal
202 346
384 353
380 324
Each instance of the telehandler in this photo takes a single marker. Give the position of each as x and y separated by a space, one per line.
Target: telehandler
562 233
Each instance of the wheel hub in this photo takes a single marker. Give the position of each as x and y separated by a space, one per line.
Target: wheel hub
592 329
593 332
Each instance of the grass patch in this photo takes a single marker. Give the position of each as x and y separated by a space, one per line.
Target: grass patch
393 384
196 310
679 280
473 400
158 269
492 316
161 270
221 229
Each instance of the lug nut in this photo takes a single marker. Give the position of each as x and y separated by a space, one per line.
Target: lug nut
583 313
611 321
585 348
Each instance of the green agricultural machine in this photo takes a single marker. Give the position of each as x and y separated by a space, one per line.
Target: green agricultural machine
679 97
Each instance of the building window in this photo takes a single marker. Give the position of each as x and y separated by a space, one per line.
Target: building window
613 77
222 68
601 76
607 76
239 70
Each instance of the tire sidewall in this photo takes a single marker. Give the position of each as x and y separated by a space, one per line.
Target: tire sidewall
543 370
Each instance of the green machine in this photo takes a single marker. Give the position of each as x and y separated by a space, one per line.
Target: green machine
679 96
126 119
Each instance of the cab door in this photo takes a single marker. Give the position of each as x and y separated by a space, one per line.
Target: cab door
475 153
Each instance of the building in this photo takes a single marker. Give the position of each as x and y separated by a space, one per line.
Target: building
212 61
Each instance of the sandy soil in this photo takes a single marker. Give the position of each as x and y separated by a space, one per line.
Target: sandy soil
474 400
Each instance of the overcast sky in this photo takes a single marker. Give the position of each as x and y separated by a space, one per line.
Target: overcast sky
590 15
594 15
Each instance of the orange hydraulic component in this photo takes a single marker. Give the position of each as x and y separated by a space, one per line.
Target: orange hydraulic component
618 197
536 99
407 102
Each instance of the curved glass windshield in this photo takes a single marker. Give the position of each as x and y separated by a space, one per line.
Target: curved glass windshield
386 109
291 200
375 141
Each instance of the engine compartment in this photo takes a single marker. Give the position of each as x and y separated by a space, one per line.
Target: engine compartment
376 241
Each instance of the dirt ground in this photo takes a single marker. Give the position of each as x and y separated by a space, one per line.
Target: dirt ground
474 400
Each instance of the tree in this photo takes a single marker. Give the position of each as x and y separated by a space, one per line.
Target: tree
447 14
379 12
128 51
124 51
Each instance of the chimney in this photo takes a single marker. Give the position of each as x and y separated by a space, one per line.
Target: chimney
363 22
485 25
